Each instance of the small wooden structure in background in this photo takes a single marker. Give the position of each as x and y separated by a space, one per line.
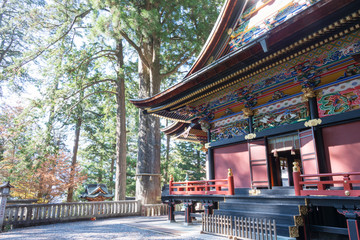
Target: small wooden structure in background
96 192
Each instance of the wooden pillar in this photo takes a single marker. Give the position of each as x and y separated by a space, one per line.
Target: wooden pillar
353 228
211 169
208 206
171 215
210 158
313 108
297 179
319 140
352 221
188 210
251 126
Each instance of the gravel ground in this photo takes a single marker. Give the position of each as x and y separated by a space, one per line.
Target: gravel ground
115 228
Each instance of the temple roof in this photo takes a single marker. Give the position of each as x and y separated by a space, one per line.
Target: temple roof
202 78
96 191
238 49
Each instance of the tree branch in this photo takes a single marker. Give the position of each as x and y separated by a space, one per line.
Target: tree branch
82 15
89 85
87 60
136 47
174 70
83 98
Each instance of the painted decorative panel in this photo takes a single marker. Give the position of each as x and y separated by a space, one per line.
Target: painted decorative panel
230 130
339 98
281 116
287 73
263 16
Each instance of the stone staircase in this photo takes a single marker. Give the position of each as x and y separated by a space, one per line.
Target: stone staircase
287 211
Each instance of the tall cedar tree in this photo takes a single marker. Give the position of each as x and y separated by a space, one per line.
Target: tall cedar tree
165 35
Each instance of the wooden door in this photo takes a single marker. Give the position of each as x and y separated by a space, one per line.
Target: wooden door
308 152
258 164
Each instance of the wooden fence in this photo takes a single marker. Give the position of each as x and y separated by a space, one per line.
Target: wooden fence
239 227
34 214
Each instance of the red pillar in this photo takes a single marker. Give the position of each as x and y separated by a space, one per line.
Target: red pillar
231 190
297 179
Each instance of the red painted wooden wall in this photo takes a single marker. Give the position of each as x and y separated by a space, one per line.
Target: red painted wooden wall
342 147
235 157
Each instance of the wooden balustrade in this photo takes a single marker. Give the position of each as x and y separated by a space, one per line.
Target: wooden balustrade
151 210
203 187
33 214
239 227
312 184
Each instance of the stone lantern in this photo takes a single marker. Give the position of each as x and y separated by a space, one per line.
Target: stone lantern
4 193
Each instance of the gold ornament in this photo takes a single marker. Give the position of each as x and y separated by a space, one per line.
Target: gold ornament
308 93
313 122
248 112
230 172
250 136
296 167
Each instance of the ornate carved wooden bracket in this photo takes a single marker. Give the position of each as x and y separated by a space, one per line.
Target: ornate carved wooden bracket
313 122
248 112
250 136
308 93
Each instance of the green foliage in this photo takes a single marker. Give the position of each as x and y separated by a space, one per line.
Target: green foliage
74 43
185 158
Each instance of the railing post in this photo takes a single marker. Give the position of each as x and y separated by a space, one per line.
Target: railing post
297 178
347 185
4 193
230 182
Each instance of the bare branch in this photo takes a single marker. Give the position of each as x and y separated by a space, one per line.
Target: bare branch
87 60
83 98
89 85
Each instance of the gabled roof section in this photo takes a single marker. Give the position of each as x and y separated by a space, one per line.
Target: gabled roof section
220 33
290 36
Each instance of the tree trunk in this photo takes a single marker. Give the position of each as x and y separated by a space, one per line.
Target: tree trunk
74 160
148 189
120 175
112 168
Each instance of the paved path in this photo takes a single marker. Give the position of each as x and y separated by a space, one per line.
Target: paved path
114 228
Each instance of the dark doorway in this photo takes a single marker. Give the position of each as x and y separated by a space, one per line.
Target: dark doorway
281 167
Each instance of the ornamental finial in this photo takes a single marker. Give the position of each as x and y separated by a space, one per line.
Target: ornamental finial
230 172
296 167
171 178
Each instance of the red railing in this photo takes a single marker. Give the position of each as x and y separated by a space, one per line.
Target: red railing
205 187
311 184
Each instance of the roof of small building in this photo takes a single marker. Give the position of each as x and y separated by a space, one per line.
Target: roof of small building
96 190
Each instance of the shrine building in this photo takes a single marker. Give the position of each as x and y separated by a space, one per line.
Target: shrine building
276 86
